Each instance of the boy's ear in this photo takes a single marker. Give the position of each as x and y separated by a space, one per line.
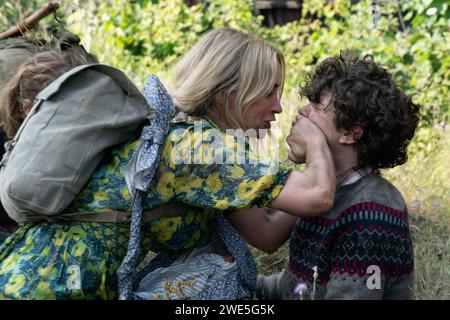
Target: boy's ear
25 108
351 136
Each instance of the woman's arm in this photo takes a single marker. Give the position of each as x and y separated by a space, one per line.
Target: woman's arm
309 192
235 186
263 228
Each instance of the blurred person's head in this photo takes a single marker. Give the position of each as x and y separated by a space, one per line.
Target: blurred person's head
36 73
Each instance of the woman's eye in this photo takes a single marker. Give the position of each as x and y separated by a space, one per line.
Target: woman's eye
272 93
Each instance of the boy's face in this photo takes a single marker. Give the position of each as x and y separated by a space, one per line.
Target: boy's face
322 115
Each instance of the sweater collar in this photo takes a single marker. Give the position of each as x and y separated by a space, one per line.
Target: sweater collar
352 175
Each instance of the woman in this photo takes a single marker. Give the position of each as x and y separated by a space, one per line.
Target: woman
229 80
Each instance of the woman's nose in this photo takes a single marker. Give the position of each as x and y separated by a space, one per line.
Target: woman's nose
277 108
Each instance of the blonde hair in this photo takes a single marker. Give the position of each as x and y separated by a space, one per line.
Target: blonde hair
33 76
223 63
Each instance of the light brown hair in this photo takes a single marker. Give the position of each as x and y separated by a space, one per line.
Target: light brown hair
33 76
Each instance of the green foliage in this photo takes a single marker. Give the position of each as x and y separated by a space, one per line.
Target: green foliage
147 36
144 36
13 11
418 57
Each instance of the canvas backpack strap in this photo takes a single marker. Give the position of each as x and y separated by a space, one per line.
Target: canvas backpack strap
101 217
139 174
118 76
9 145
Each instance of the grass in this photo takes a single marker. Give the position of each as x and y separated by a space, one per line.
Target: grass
424 181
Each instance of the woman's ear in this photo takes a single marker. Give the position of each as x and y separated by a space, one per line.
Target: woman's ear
351 136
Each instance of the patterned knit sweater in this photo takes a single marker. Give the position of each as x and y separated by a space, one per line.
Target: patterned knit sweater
362 248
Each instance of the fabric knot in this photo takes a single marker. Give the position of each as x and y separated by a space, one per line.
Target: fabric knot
140 170
139 173
151 134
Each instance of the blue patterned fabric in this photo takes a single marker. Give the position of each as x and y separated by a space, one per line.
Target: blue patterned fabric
202 274
139 173
239 285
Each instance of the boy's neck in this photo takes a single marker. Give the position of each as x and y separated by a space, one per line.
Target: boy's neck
344 160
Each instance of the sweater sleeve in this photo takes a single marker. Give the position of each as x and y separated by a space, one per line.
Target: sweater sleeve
372 257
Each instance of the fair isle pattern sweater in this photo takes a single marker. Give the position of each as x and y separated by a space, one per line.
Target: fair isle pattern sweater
368 226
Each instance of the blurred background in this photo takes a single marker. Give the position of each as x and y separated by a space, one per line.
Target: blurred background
409 38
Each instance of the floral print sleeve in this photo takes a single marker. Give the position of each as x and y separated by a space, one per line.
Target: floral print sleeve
204 168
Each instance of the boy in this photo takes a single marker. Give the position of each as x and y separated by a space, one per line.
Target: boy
361 249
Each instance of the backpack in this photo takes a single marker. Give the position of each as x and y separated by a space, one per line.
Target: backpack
16 50
64 137
13 52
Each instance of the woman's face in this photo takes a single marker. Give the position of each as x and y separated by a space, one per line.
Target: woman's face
261 113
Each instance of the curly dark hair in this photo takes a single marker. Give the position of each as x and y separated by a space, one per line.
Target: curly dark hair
365 94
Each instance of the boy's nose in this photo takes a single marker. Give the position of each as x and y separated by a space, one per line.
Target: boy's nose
305 111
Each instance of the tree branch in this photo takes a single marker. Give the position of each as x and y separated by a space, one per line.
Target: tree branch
31 21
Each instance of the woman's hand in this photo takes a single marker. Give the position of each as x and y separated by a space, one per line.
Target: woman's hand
304 133
311 191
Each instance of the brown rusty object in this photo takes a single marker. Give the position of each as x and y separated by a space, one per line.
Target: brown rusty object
31 21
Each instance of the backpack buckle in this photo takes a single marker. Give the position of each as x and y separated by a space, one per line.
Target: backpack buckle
9 145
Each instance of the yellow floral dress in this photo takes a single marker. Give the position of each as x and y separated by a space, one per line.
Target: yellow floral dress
79 260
